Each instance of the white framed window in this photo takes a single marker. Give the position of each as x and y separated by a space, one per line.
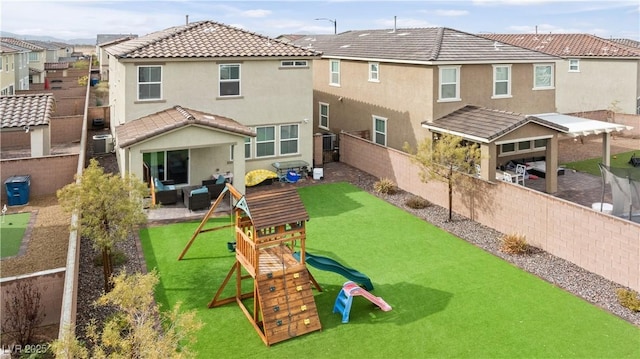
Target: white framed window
501 81
334 71
229 80
542 76
574 65
374 72
34 57
323 116
289 139
149 83
247 149
449 87
294 63
380 130
266 141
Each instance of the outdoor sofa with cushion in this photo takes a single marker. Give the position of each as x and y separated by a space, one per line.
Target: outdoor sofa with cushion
215 186
166 192
196 198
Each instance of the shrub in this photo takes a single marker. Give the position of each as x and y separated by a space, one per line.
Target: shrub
628 299
23 312
416 202
385 186
514 244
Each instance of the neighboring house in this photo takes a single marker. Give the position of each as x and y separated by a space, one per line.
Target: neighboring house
37 64
593 74
388 82
237 101
627 42
29 114
103 41
21 60
8 59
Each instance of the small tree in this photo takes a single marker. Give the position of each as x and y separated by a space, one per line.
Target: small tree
23 312
448 159
137 330
109 206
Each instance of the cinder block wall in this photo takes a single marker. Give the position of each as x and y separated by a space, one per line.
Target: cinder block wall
600 243
49 283
48 174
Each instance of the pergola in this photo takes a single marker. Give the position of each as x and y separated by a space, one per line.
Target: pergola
491 128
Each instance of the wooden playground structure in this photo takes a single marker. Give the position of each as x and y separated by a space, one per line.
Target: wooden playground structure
268 226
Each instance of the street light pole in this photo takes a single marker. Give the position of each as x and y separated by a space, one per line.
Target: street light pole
334 22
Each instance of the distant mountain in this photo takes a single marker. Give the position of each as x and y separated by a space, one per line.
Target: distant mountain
49 38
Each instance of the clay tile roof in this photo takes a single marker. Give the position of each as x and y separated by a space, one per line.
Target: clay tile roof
161 122
205 39
23 44
419 45
276 207
21 111
627 42
482 124
6 49
567 45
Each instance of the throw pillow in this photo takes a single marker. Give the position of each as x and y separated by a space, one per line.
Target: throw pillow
221 179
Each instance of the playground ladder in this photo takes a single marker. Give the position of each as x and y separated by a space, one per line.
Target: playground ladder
343 304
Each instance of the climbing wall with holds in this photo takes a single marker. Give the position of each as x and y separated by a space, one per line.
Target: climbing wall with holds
287 304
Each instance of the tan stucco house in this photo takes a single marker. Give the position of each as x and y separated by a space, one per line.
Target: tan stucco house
388 82
591 73
225 99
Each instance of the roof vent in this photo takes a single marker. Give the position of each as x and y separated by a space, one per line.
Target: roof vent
345 46
365 34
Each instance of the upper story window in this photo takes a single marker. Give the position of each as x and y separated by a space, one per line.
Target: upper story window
149 82
334 70
34 57
574 65
265 141
449 89
374 72
542 76
501 81
380 130
288 139
324 115
294 63
2 60
229 80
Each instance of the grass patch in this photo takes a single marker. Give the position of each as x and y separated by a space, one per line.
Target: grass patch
591 165
449 298
12 232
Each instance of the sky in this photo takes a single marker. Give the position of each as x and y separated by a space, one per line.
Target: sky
86 18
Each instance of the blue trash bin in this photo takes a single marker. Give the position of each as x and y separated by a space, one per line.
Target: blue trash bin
18 188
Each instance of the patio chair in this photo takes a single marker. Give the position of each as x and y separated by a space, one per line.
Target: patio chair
507 177
290 177
166 192
196 198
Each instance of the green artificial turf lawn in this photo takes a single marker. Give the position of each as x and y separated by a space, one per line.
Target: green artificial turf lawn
11 233
591 165
449 298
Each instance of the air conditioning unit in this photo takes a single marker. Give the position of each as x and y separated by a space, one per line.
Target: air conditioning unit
328 141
